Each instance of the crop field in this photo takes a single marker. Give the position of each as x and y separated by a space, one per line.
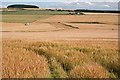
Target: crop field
60 59
34 12
54 44
23 18
91 26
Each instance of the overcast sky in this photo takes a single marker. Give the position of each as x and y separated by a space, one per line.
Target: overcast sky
59 0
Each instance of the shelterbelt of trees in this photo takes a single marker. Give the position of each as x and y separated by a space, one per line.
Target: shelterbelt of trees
98 11
22 6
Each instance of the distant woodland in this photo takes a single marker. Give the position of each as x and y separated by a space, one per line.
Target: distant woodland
22 6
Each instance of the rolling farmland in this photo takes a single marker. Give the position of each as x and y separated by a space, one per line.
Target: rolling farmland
59 45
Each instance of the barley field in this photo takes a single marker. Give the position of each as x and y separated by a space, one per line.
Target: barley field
60 59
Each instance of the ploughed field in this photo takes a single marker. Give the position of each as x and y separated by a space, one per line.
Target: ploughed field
60 46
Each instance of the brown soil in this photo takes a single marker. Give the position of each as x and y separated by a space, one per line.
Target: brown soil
61 27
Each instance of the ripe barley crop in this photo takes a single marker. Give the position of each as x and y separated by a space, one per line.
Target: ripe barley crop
60 59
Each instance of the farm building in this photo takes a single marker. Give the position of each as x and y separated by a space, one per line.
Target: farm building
76 13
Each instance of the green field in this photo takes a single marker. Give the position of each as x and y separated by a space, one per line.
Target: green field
33 12
23 16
